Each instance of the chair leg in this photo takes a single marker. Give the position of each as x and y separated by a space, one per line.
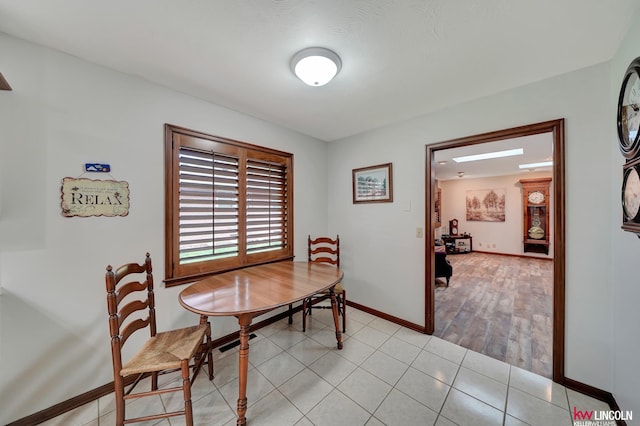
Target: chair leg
344 311
304 315
119 394
186 389
290 313
209 351
154 380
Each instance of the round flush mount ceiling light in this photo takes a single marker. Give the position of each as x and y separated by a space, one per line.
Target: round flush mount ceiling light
316 66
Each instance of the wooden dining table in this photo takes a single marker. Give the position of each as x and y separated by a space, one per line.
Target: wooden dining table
252 291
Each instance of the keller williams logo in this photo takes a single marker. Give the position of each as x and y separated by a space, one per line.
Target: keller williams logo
599 418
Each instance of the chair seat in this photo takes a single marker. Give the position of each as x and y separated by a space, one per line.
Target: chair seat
166 350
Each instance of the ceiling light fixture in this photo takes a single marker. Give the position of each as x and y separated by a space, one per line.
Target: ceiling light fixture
316 66
536 165
489 155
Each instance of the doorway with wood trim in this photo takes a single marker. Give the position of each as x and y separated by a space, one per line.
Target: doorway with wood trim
556 129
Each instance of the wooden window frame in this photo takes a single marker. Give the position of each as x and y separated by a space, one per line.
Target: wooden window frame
250 158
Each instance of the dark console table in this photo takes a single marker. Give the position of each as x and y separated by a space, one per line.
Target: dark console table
454 243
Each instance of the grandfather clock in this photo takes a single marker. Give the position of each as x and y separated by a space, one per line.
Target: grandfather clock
535 208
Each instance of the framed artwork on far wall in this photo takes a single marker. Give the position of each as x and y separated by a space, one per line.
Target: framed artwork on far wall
373 184
486 205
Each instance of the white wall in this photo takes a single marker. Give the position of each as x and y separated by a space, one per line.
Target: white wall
493 237
62 113
623 283
384 262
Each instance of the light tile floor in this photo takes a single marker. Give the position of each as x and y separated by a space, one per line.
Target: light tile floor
385 375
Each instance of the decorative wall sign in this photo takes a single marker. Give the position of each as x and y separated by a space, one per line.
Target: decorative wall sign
486 205
87 197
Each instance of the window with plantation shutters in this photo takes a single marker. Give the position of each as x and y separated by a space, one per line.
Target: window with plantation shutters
228 205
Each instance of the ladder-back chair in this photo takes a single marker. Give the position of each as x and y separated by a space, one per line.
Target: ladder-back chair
131 307
325 250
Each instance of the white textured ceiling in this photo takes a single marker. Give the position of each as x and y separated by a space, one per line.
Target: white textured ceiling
401 58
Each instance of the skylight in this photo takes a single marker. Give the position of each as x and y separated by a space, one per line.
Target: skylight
536 165
489 155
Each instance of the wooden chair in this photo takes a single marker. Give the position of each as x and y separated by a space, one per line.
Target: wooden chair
162 352
325 250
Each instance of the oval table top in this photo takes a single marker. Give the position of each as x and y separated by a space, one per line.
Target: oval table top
258 288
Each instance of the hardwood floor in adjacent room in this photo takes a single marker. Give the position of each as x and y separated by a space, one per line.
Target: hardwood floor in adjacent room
500 306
